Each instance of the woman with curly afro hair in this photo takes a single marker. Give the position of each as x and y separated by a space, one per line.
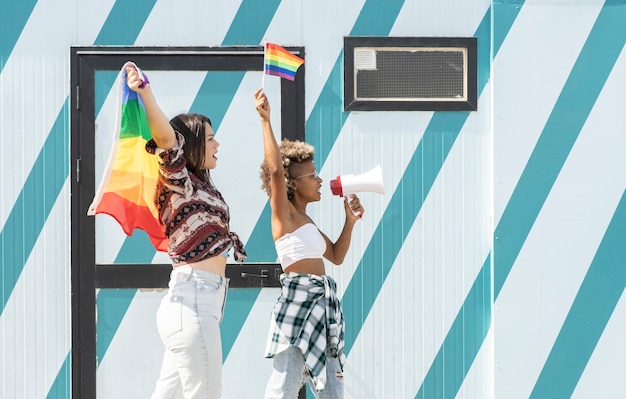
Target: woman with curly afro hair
306 336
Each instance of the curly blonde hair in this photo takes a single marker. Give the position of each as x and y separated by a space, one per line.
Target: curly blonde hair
292 152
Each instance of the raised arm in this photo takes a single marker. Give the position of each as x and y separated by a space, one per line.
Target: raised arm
162 131
278 200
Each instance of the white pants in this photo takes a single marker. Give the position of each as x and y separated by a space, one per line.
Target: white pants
287 377
188 321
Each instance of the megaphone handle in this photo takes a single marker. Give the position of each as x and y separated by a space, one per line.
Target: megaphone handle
350 199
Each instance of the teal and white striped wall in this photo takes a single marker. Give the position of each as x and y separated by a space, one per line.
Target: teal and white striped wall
493 267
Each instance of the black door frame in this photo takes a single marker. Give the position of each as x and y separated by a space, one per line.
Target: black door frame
86 276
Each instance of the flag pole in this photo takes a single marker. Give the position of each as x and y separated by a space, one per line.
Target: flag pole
264 60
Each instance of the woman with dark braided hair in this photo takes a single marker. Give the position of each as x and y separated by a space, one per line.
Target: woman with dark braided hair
196 221
306 336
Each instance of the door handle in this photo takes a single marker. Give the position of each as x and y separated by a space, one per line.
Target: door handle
264 274
254 276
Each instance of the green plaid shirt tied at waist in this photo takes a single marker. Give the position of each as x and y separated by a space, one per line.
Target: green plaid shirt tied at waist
308 315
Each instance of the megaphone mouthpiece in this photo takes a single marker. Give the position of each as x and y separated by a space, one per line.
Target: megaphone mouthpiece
335 185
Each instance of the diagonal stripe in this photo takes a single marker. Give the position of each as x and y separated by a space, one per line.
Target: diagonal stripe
248 27
122 26
112 304
104 82
469 329
250 23
216 94
592 308
327 118
13 18
579 94
236 311
375 19
260 247
507 11
468 332
529 196
34 203
418 178
61 386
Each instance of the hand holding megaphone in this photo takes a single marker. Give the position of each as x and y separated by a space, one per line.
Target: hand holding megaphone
371 181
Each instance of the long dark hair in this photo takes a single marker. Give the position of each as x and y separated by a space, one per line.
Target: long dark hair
191 126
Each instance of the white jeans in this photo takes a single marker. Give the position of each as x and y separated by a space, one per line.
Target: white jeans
287 377
188 321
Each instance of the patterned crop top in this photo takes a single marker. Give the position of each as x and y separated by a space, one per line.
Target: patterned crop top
306 242
194 214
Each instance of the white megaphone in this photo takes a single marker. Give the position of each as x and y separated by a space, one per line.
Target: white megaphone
371 181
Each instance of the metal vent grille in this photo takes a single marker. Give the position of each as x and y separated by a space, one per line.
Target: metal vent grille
410 73
403 74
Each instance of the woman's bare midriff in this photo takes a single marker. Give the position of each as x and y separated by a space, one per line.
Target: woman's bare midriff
309 266
215 265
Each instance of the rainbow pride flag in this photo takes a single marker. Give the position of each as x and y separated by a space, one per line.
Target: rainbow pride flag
127 188
280 62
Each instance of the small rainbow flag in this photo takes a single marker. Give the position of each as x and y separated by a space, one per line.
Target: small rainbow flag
280 62
127 189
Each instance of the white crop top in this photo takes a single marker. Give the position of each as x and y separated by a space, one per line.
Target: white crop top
306 242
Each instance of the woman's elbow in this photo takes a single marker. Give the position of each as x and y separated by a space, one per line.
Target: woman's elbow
336 260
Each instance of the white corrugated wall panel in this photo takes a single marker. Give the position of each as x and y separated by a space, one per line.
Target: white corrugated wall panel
531 73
